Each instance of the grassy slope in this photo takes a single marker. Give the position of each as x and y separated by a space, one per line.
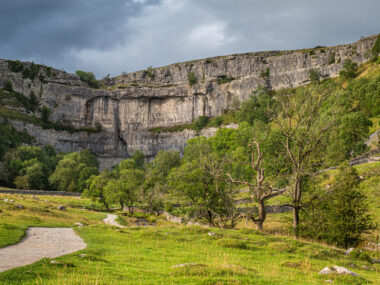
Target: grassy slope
369 185
42 212
147 255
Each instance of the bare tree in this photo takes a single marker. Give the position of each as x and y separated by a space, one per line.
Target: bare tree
260 190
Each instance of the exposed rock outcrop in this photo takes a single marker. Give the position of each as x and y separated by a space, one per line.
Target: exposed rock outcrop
129 105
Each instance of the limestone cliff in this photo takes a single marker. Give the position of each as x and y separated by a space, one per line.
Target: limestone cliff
129 105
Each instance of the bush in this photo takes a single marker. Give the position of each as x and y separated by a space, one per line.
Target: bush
349 70
314 75
45 113
376 48
265 74
332 58
31 72
98 127
200 123
192 79
224 79
15 65
150 72
88 77
8 86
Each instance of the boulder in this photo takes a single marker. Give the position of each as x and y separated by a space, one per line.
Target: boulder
62 208
79 224
326 270
343 270
338 270
20 206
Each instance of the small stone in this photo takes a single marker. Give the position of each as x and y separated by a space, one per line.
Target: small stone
20 206
328 281
82 255
211 234
35 198
326 270
62 208
375 260
12 201
343 270
79 224
348 251
55 262
6 200
187 264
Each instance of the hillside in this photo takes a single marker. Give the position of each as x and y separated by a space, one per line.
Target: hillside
116 120
146 255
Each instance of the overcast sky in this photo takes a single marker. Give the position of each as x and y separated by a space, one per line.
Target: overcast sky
112 36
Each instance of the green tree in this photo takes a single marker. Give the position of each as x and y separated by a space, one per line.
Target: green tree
304 126
88 77
127 184
258 107
95 188
73 170
339 215
155 184
139 158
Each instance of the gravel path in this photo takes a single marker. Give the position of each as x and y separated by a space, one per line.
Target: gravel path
111 220
40 243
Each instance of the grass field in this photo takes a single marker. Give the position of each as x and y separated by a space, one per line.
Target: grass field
146 255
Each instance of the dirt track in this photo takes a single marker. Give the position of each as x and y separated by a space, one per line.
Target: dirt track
40 243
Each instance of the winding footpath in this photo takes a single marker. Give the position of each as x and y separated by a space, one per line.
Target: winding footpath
40 243
111 220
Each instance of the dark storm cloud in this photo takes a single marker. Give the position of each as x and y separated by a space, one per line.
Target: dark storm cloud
47 30
112 36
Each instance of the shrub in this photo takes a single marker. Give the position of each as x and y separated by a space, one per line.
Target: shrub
88 77
192 79
265 74
200 123
8 86
224 79
332 58
15 65
31 72
45 113
349 70
98 127
48 71
150 72
314 75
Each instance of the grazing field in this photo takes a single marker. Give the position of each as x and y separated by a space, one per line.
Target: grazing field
148 255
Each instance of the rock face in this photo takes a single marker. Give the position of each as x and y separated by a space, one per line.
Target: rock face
129 105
